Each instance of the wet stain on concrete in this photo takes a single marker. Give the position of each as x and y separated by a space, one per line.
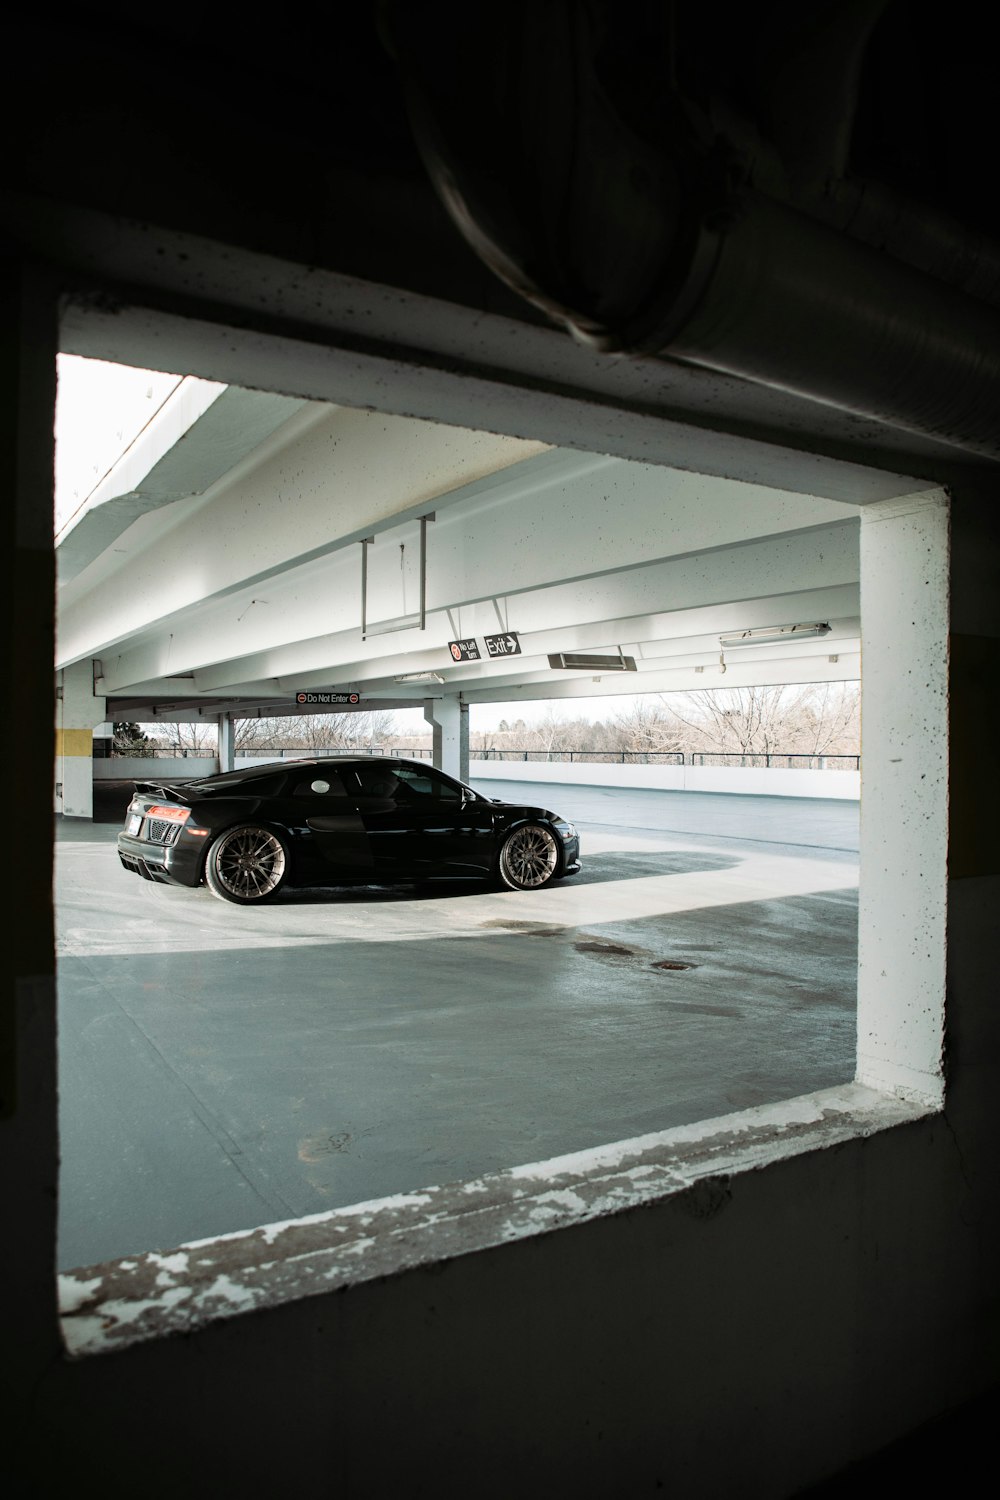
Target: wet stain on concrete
316 1148
728 1011
605 950
526 929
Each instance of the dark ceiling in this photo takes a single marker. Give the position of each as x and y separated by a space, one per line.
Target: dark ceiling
794 197
147 110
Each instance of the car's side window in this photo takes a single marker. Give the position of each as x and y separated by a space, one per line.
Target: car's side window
416 785
408 785
377 782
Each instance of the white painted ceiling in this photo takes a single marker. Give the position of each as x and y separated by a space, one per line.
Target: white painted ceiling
218 566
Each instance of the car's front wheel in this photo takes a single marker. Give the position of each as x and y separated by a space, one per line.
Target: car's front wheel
246 864
529 858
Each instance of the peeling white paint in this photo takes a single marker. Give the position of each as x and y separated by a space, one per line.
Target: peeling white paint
560 1198
73 1293
239 1272
364 1211
121 1313
175 1265
228 1291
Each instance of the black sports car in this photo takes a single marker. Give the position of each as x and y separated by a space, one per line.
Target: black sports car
249 833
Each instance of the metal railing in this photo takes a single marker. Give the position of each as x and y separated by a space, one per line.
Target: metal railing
307 752
593 757
159 752
784 760
777 760
788 760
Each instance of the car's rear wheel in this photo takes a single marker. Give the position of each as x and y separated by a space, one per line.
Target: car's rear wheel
246 864
529 858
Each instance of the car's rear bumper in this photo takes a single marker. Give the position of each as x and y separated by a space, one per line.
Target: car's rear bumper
157 862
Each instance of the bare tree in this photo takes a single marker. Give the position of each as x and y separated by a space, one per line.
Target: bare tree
810 718
550 732
645 724
829 719
338 731
194 738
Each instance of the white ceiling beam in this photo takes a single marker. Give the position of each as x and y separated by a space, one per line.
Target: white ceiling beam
345 473
203 641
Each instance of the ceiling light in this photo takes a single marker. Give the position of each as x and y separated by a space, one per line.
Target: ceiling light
578 661
419 677
770 635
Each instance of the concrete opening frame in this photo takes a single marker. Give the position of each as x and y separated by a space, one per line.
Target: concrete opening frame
727 1195
902 907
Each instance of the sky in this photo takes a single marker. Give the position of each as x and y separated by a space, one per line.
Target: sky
100 409
487 716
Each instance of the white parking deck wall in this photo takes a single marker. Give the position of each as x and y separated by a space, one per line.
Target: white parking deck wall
750 781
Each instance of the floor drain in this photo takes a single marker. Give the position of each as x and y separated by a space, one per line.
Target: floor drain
671 964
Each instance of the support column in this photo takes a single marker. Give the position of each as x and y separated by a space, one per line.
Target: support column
227 742
449 719
78 713
29 1157
904 795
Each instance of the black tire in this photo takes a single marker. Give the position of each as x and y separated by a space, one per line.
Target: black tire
247 864
529 858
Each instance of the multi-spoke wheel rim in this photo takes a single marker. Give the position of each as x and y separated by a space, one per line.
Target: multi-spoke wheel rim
250 862
529 857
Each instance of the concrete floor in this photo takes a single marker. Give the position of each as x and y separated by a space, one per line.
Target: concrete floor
221 1069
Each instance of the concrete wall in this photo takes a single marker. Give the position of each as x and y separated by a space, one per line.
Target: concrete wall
734 1308
764 1315
751 781
164 767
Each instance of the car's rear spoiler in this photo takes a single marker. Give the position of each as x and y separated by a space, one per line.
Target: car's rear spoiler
169 791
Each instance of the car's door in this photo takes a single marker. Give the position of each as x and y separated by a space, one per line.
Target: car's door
420 822
322 807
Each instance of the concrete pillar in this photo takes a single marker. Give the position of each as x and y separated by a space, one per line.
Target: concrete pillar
227 742
904 795
29 1157
449 719
78 713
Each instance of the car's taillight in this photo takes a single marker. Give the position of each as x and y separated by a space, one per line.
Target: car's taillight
169 814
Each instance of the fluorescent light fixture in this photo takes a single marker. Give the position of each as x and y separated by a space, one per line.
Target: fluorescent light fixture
419 677
386 627
580 661
773 635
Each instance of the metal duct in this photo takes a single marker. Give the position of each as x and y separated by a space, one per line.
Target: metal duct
798 306
581 177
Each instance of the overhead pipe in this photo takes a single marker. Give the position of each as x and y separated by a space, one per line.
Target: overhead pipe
614 207
793 304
